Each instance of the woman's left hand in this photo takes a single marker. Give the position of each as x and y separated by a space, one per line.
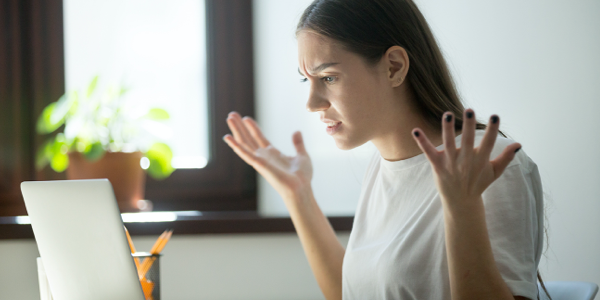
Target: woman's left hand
463 174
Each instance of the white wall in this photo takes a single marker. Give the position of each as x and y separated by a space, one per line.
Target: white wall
227 267
532 62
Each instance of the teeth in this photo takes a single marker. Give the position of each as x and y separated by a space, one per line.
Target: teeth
332 124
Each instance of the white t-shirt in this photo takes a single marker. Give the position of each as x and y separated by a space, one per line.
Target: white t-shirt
397 248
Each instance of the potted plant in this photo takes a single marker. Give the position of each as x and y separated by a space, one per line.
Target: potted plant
105 136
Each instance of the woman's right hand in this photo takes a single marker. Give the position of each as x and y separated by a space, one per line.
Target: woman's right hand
289 175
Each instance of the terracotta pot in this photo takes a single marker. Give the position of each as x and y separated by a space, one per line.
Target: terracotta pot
123 170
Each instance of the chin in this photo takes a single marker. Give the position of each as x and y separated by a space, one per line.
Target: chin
348 145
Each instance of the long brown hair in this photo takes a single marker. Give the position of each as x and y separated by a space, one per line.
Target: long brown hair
370 27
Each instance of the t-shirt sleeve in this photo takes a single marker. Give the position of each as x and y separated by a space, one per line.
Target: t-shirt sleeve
512 204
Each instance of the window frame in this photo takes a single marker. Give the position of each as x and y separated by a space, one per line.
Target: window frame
227 182
32 75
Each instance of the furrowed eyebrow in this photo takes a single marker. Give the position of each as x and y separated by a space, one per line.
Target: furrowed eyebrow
323 67
320 68
299 72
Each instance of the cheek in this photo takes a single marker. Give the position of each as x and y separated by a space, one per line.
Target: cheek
364 96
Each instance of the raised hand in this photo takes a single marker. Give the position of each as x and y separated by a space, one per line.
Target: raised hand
289 175
463 174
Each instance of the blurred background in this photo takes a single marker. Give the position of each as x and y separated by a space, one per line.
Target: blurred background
534 63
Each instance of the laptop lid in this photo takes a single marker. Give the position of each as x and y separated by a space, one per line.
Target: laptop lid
81 239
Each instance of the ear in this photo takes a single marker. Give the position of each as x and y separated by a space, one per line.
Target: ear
396 61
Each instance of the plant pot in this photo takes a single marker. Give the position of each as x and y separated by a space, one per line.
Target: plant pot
123 170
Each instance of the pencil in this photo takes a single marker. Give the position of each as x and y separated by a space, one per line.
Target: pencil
132 247
156 249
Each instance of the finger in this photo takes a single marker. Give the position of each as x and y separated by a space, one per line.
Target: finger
449 135
244 131
468 131
255 132
299 143
502 161
244 153
489 139
237 136
426 146
240 134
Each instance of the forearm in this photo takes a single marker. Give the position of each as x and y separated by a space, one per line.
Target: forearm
324 252
472 269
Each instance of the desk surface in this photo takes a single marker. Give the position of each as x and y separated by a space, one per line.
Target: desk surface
187 222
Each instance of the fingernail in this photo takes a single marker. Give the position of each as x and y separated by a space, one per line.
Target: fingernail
469 114
416 133
224 138
448 118
517 149
494 119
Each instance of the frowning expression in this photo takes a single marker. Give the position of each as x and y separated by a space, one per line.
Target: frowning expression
350 94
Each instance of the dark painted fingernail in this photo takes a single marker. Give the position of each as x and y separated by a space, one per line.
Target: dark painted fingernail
494 119
416 133
469 114
448 118
517 149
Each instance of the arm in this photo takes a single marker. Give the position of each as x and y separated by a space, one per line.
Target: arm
291 177
472 268
324 252
461 176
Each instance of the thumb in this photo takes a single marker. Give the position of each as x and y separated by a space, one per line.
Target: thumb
299 143
502 161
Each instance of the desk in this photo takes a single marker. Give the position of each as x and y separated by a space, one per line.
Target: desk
213 222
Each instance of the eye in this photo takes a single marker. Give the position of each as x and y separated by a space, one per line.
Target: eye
304 79
329 79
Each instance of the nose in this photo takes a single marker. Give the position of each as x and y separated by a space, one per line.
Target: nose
316 102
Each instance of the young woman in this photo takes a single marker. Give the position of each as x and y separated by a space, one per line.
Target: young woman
449 209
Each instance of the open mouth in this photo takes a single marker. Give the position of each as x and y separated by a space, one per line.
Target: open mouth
333 128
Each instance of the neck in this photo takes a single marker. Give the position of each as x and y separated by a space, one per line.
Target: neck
397 143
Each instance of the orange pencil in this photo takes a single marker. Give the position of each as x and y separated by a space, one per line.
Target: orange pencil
164 242
156 249
147 263
135 259
159 241
158 246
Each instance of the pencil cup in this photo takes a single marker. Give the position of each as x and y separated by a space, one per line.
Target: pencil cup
149 271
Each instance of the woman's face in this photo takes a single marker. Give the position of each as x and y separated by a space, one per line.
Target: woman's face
344 89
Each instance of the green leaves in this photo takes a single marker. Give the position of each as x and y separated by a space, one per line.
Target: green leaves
160 157
54 151
94 152
92 87
157 114
44 123
96 121
54 115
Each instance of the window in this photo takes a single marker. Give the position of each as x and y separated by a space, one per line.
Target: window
155 49
32 75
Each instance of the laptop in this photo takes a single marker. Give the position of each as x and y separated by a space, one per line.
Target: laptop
81 240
